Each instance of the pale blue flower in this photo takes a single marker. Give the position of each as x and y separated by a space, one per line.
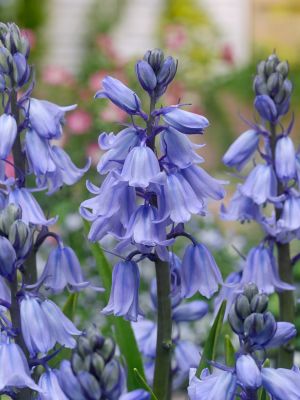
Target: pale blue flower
8 133
285 159
185 121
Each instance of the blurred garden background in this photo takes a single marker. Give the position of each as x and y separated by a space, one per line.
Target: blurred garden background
217 43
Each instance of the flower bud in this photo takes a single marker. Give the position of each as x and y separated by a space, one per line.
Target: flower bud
242 306
254 324
77 363
83 346
274 83
250 290
261 68
235 322
97 364
155 59
8 216
271 64
266 107
107 350
5 60
7 258
21 69
89 384
2 83
259 303
167 72
21 238
24 46
283 68
146 75
260 85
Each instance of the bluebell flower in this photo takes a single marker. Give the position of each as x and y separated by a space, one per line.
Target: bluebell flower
285 159
178 149
261 269
166 73
22 69
281 383
187 355
118 147
138 394
5 295
290 216
298 168
63 270
120 95
145 332
140 167
266 107
124 296
113 372
8 258
8 133
14 371
145 75
285 331
46 118
241 149
185 121
240 208
68 382
31 210
51 388
219 385
199 272
247 372
103 226
204 185
190 311
261 184
50 325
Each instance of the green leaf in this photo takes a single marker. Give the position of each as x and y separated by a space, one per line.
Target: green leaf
122 329
229 352
209 350
69 309
144 385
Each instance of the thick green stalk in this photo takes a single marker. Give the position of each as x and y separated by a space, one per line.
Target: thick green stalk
286 298
19 162
162 371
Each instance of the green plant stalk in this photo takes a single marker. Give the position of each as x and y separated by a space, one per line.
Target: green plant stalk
286 298
162 370
19 163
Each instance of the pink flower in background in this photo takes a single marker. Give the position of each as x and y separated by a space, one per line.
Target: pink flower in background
175 37
105 43
112 113
79 121
31 36
227 54
55 75
94 152
9 169
95 80
175 93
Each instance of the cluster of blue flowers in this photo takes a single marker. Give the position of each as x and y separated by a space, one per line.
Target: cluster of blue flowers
257 331
152 187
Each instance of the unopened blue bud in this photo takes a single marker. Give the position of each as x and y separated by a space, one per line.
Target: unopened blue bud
260 85
242 306
266 107
8 216
261 68
154 58
89 384
2 83
271 64
21 238
259 303
7 258
236 323
167 72
283 68
146 75
5 60
250 290
254 324
22 70
274 83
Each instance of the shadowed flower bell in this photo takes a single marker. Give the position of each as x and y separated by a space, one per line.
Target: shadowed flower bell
285 159
190 311
146 75
266 107
124 296
63 270
241 149
8 133
285 331
281 383
290 216
120 95
50 386
44 324
199 272
15 370
260 184
219 385
8 258
46 118
185 121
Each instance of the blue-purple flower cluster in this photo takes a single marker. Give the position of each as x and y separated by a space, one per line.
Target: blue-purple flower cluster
257 331
153 185
270 193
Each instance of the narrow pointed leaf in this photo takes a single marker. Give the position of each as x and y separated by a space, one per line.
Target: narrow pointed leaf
143 384
69 309
229 352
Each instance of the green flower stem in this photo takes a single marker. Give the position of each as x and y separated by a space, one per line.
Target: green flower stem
286 298
162 371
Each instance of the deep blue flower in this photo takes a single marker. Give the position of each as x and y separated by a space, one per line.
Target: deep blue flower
51 387
199 272
178 149
219 385
44 324
247 372
8 133
241 149
261 269
166 73
124 296
14 371
140 167
185 121
146 75
285 159
118 147
63 270
120 95
261 184
8 258
266 107
46 118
